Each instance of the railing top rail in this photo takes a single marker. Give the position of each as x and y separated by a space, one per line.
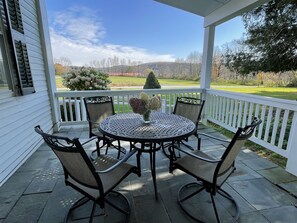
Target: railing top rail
124 92
276 102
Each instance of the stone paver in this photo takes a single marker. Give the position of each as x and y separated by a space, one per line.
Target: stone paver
28 208
285 214
261 194
290 187
253 217
259 164
37 193
277 175
243 173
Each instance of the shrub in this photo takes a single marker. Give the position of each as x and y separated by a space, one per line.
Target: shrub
151 82
86 79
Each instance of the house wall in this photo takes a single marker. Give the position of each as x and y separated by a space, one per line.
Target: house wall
19 115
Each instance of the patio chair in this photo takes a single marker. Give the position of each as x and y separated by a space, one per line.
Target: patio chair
190 108
98 108
94 179
211 173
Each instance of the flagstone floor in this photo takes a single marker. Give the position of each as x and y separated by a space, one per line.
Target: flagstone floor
37 193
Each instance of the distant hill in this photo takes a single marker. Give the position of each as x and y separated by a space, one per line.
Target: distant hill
186 71
160 69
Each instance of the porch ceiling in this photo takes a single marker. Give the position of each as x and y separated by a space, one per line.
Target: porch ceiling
198 7
214 12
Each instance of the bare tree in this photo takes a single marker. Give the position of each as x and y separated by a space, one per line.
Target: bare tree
217 62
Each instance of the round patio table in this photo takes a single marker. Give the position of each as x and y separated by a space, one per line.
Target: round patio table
162 128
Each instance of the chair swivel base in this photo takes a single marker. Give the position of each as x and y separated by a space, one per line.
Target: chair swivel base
109 200
187 204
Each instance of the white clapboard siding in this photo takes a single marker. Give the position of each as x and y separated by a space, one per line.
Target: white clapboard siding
19 115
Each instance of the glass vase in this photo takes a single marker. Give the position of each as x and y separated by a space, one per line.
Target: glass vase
147 117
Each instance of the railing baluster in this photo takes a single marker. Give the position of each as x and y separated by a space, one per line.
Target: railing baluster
83 110
263 119
239 114
235 113
231 112
70 108
244 113
283 129
77 110
251 110
275 125
227 111
268 122
224 109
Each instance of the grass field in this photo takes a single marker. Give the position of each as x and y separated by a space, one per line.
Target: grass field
276 92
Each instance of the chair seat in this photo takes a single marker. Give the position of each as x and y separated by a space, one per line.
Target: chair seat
201 169
96 132
110 179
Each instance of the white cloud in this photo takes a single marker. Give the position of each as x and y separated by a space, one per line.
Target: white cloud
78 33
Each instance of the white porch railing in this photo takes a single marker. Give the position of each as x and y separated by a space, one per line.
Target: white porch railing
72 109
279 120
278 131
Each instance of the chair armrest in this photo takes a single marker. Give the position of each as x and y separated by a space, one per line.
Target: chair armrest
198 157
125 158
210 136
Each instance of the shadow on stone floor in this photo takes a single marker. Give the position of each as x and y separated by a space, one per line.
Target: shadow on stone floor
37 193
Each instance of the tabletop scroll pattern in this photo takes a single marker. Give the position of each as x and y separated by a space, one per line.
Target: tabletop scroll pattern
163 127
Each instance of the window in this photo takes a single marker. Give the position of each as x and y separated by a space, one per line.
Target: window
15 72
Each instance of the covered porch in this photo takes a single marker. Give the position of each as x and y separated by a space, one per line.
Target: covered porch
37 193
264 191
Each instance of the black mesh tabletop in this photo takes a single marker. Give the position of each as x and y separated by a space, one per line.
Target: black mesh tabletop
131 127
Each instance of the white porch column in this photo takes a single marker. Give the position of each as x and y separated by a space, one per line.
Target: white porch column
49 64
207 57
206 68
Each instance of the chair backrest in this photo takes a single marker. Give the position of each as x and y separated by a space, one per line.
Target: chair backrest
235 146
73 158
98 108
190 108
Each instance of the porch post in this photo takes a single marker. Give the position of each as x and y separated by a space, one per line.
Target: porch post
49 64
207 57
206 68
291 166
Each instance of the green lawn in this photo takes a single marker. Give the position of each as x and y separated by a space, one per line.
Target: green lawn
276 92
289 93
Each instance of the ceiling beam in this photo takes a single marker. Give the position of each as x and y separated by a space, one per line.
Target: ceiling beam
230 10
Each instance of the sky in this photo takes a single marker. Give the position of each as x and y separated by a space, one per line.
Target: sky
136 30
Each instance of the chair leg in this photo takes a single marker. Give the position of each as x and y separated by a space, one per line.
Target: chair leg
220 191
198 143
215 208
98 148
126 213
192 194
119 149
77 204
93 212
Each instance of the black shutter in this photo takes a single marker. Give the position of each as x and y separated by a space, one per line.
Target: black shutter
24 67
10 10
15 15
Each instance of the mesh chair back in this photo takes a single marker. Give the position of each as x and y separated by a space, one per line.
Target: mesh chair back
190 108
73 158
98 108
235 146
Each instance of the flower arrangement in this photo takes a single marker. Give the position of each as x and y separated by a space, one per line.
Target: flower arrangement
145 104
